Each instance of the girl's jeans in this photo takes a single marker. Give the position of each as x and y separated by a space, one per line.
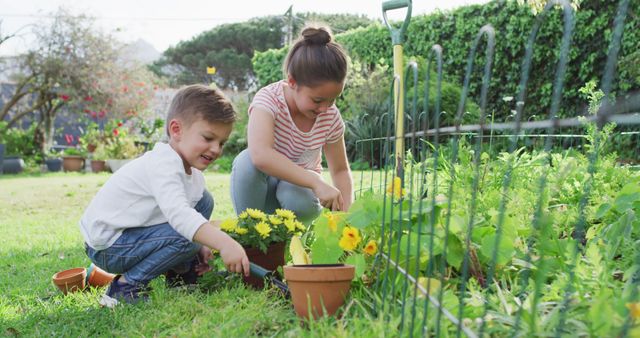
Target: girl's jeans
141 254
251 188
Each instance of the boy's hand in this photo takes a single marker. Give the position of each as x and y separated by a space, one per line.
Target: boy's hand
231 252
234 257
203 260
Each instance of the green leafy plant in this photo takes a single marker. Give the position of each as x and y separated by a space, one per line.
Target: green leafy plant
100 153
74 151
255 229
92 137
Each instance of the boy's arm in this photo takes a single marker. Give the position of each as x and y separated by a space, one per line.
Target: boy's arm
338 164
232 253
260 139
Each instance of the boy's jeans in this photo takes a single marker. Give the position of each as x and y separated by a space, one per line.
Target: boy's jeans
142 254
251 188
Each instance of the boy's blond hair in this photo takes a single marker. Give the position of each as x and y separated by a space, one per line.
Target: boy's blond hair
200 101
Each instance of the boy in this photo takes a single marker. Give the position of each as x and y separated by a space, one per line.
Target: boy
145 219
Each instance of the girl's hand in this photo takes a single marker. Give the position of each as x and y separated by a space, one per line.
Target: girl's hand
329 196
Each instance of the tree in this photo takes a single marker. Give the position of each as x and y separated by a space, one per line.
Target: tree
75 66
231 47
228 47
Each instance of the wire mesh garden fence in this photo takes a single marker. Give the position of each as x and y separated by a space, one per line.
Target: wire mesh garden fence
522 227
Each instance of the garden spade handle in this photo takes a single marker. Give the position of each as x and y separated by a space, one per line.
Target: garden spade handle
397 37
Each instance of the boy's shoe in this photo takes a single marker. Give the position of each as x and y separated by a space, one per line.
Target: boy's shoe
123 292
174 279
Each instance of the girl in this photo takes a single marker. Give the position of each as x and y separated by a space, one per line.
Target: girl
291 122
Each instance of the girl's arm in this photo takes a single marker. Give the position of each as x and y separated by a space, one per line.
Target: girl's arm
260 139
340 172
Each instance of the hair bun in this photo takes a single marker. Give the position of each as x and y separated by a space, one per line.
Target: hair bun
316 36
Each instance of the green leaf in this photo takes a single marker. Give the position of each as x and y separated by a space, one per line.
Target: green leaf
628 195
359 262
505 249
625 202
325 252
603 209
455 253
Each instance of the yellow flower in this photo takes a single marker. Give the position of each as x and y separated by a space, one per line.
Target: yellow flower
263 229
284 213
371 248
350 238
229 224
241 231
300 226
275 220
257 214
243 215
396 189
290 224
331 221
634 310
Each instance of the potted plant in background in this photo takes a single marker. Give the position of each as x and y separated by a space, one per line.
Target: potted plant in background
264 237
73 159
120 146
150 132
320 279
98 158
53 160
92 137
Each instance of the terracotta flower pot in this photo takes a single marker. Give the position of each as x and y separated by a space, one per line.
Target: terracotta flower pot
72 163
271 260
319 288
71 280
98 166
97 277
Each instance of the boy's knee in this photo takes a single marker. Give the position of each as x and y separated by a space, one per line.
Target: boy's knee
188 247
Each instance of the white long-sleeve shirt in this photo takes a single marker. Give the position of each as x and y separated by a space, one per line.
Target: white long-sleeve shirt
149 190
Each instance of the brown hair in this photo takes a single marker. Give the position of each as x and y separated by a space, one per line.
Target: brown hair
314 58
198 100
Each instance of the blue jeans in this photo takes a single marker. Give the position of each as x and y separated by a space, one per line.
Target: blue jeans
251 188
142 254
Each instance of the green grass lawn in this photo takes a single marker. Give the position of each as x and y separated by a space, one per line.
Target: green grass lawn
39 236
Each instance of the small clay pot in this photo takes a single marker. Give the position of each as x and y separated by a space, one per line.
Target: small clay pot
97 277
318 288
71 280
72 163
98 166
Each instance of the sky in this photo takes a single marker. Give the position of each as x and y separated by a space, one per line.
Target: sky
164 23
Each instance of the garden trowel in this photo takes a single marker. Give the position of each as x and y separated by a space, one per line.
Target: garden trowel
260 272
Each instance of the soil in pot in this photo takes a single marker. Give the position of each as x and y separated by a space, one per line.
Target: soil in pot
318 288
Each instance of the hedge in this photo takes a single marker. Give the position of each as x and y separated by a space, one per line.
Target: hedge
455 31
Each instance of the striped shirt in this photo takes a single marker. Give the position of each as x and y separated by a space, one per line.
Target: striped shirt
302 148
